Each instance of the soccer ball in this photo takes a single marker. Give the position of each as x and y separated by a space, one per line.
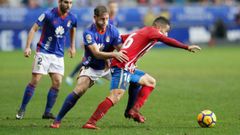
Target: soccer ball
206 119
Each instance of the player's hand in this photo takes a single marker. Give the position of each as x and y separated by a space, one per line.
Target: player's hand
72 52
193 48
121 56
27 52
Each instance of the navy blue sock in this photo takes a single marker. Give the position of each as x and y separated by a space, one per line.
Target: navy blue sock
76 70
133 90
69 102
29 91
51 99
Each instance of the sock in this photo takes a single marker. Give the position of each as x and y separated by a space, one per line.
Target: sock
133 90
142 96
76 70
51 99
69 102
29 91
100 111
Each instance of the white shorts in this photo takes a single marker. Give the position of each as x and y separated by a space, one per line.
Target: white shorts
48 63
95 74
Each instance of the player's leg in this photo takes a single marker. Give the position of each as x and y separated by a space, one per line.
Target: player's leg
148 84
69 78
52 95
119 82
56 72
28 93
133 90
40 66
84 81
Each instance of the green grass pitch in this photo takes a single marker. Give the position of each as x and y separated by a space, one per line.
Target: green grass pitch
187 83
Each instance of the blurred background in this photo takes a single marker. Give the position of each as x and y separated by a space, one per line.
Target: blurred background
208 22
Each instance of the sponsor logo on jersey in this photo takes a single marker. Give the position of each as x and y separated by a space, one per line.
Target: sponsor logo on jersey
59 31
89 38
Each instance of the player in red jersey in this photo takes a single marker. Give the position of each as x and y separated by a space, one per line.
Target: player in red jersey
135 46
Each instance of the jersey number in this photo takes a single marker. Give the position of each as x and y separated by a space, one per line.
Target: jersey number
129 41
39 61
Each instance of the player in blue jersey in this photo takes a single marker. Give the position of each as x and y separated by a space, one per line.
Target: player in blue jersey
113 10
100 39
56 24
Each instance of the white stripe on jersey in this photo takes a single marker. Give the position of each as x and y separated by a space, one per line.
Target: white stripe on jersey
130 65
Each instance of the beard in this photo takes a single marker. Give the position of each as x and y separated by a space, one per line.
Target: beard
64 9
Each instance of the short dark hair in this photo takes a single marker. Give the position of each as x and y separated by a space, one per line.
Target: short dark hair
161 21
99 10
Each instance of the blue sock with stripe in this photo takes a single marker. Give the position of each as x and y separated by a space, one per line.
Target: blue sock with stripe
69 102
51 99
29 91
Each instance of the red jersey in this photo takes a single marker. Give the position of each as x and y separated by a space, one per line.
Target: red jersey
138 43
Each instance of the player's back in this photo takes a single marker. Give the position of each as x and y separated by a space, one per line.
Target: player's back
136 45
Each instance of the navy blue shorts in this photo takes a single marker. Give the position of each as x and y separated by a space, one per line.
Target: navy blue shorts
120 78
135 77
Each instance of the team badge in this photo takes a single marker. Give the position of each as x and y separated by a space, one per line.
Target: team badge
89 38
107 39
69 23
41 17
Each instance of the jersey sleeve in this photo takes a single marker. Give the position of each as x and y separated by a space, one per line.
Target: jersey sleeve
156 35
88 38
116 38
42 19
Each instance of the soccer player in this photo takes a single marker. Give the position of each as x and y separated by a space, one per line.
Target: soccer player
55 25
100 39
135 46
113 10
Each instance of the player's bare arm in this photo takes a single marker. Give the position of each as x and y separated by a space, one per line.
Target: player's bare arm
107 55
72 49
28 51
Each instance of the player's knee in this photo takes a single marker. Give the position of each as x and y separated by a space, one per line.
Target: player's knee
151 82
56 83
83 83
115 96
80 90
34 82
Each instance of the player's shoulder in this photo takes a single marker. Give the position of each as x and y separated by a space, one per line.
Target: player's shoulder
89 29
71 15
112 29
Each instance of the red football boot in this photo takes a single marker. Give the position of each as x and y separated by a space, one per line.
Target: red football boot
90 126
133 113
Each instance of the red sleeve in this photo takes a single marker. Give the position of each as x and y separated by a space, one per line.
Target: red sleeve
124 37
155 35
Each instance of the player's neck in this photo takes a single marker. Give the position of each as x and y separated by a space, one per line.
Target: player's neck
61 14
101 30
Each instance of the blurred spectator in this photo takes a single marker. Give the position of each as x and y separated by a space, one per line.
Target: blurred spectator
218 32
33 4
149 17
14 3
237 18
50 3
113 10
3 3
